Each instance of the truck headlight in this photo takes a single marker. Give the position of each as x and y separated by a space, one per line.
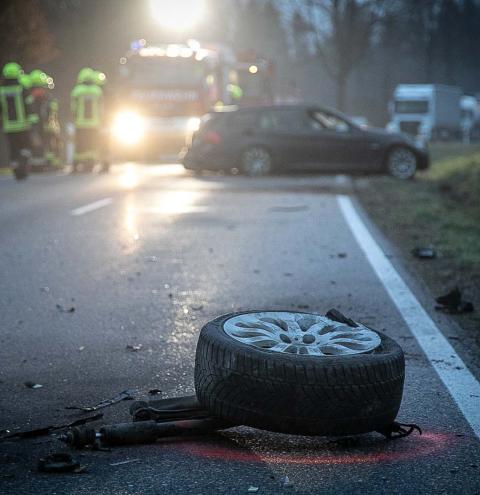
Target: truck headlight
193 124
128 127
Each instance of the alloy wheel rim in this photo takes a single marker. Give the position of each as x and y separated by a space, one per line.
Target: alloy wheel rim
257 162
402 163
300 333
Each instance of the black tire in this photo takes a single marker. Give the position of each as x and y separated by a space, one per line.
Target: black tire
401 162
298 394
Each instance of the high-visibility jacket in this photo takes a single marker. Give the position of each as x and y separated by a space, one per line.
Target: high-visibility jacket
52 124
86 103
13 108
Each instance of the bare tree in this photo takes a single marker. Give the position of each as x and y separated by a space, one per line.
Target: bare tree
343 31
24 34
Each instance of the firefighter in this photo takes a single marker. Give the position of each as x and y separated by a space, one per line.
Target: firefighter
15 122
39 102
52 130
86 105
101 81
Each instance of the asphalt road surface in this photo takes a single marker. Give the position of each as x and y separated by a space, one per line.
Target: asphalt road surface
146 256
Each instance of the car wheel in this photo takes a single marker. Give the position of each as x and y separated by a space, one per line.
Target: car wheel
298 373
256 162
402 163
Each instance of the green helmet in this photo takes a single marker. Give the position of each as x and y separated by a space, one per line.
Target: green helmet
100 78
25 81
38 78
12 70
86 75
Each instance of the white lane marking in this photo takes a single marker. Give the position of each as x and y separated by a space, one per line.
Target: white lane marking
461 384
91 207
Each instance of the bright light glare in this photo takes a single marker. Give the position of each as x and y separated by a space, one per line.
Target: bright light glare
178 15
128 127
253 69
193 124
129 179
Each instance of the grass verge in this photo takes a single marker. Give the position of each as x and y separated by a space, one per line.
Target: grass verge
440 208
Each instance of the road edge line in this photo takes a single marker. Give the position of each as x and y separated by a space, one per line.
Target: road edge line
101 203
452 371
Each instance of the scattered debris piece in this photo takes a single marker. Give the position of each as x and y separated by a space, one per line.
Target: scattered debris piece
81 348
453 303
65 310
342 255
154 391
128 461
152 259
285 481
288 274
424 253
197 308
38 432
125 395
33 385
335 315
59 462
253 489
134 348
45 289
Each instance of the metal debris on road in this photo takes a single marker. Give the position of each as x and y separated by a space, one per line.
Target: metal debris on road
38 432
59 462
134 348
154 391
128 461
32 385
65 310
253 489
424 253
453 303
125 395
335 315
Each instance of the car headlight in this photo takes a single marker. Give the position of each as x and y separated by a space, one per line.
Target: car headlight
128 127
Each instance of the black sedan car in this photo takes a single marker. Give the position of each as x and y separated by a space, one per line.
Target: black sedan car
261 140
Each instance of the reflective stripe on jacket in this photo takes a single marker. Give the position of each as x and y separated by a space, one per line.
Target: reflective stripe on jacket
14 114
86 102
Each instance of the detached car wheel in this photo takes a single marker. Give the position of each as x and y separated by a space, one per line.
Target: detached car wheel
402 163
298 373
256 162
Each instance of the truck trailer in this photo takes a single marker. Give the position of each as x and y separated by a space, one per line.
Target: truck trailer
427 112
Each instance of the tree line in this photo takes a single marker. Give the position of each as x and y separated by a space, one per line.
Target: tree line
350 53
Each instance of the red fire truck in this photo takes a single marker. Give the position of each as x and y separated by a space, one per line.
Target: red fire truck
164 90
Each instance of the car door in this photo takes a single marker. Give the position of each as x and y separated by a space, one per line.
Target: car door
283 132
337 145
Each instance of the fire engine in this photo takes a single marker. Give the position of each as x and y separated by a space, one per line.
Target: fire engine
164 90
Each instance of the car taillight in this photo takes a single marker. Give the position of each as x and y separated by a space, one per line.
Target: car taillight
212 137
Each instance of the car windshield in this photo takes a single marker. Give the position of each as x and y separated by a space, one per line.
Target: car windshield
411 106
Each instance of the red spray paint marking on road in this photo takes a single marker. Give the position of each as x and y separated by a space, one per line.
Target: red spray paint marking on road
427 444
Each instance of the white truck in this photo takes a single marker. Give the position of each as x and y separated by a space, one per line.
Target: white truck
426 111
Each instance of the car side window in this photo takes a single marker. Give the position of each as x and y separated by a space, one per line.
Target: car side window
320 120
244 120
282 120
